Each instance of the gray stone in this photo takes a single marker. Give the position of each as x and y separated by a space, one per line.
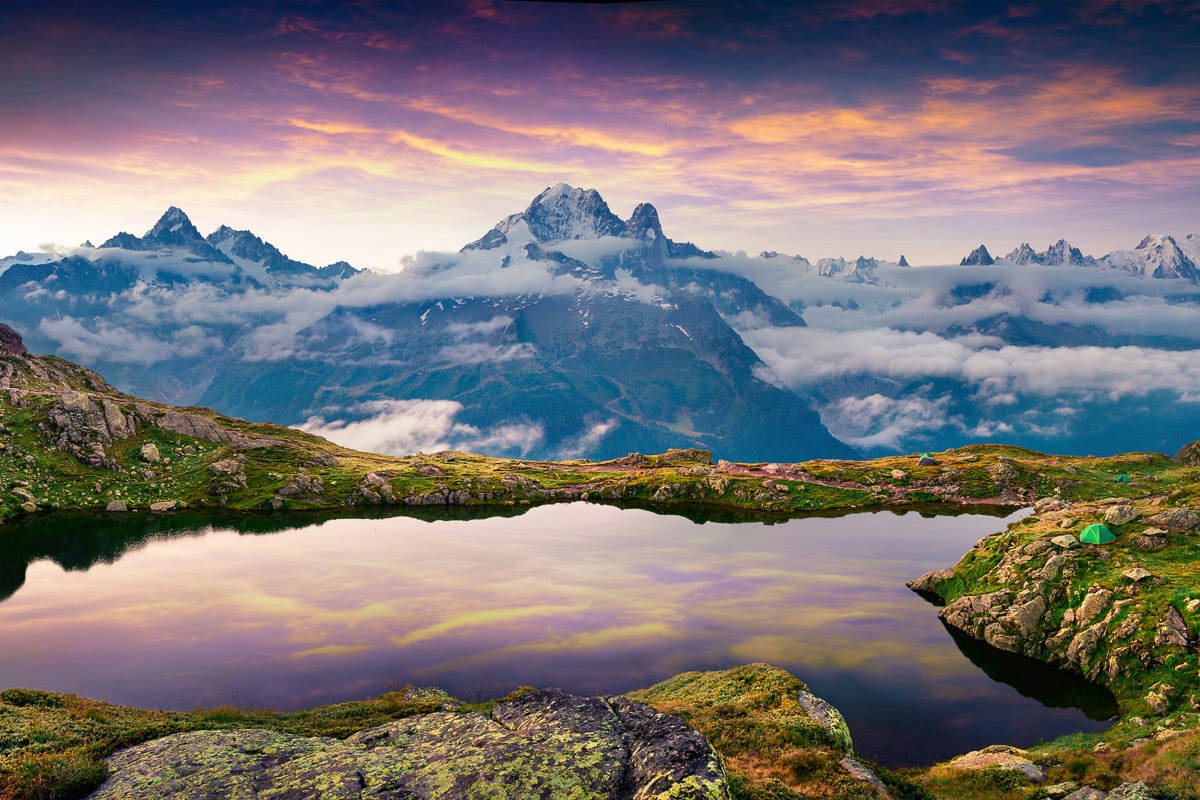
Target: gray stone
1066 541
164 505
1001 757
149 453
1136 574
543 745
1087 793
1177 520
1131 791
930 581
857 770
1058 791
1119 515
116 506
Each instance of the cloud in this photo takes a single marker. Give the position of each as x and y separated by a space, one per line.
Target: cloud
114 343
876 421
589 441
403 427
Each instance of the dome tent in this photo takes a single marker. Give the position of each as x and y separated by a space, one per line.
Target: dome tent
927 461
1097 533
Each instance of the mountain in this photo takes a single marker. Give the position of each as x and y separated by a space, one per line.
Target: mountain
615 351
567 330
1156 256
978 257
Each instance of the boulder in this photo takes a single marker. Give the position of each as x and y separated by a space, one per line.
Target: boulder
1150 542
1066 541
930 581
1001 757
1136 574
1176 520
164 505
545 744
1047 504
116 506
899 475
149 453
193 425
229 466
24 495
1119 515
1087 793
1132 791
829 718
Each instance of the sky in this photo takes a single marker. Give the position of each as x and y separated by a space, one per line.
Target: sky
367 131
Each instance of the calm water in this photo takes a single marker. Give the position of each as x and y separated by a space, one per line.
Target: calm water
185 611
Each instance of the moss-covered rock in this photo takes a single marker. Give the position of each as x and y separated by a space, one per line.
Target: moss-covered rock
543 744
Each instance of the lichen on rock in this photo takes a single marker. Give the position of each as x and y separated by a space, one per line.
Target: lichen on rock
543 744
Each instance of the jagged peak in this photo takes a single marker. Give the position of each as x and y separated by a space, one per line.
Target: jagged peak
903 262
1157 240
175 224
978 257
643 219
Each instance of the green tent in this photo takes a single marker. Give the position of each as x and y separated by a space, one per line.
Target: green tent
1097 533
1122 478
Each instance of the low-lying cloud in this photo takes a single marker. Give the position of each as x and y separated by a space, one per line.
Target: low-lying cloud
404 427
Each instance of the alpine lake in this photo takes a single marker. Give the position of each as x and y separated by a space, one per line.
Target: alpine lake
192 609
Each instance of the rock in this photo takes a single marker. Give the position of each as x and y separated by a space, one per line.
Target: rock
829 718
229 466
544 744
428 470
375 479
119 426
1066 541
1188 455
1136 574
164 505
116 506
1060 790
24 495
1158 701
859 772
1119 515
1087 793
689 454
193 425
1193 606
149 453
1001 757
1176 520
1093 604
28 508
302 486
1047 504
1027 616
1053 567
1173 630
930 581
1150 542
1131 791
1067 522
10 342
899 475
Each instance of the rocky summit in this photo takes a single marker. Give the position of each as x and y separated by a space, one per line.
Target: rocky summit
543 744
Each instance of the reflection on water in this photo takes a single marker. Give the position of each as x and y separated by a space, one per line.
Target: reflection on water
179 611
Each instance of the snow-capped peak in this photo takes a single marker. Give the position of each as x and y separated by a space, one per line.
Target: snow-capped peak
174 224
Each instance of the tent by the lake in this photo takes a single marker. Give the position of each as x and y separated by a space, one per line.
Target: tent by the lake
1097 533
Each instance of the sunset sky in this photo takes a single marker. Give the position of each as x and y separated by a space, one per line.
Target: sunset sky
367 131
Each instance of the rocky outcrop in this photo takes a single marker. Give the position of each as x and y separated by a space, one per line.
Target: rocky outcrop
544 744
10 342
1188 455
1001 757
